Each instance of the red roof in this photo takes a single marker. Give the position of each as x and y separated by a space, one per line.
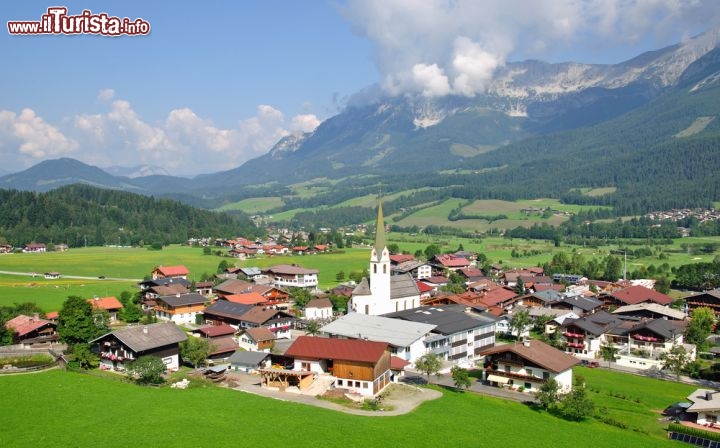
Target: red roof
401 258
250 298
105 303
423 287
52 315
260 334
213 331
398 363
23 324
451 261
307 347
497 295
638 294
172 271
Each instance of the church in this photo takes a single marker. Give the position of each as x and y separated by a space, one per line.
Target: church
383 293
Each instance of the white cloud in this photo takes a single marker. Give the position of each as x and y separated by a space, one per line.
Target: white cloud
304 123
439 47
33 138
106 95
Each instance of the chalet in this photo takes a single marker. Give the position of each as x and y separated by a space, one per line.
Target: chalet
708 299
120 347
472 274
706 403
277 321
243 253
257 339
398 259
179 271
204 288
528 365
221 339
418 269
29 330
449 262
151 289
319 309
633 295
233 286
362 367
250 273
580 305
300 250
224 312
180 308
649 310
459 334
250 298
35 248
5 249
111 305
290 276
406 338
435 281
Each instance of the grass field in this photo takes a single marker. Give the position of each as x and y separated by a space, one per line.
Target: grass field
253 206
61 409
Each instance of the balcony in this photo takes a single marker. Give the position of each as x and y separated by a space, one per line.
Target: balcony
575 345
568 334
515 376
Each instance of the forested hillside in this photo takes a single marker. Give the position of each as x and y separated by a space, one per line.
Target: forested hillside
79 215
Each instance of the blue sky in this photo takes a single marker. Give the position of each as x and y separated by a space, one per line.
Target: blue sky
217 83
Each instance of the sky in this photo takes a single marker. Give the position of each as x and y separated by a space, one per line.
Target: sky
216 83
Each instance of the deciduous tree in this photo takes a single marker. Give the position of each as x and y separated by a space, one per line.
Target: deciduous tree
147 370
461 377
429 364
195 350
547 395
78 323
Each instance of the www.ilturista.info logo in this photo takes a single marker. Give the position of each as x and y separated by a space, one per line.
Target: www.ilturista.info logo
56 21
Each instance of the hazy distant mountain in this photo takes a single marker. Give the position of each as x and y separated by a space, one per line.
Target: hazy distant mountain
136 171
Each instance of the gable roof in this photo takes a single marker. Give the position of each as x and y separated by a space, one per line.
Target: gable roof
258 315
403 285
401 258
22 324
637 294
704 400
223 308
191 298
288 269
319 303
539 353
452 261
248 298
307 347
448 319
234 286
105 303
172 271
260 334
141 338
396 332
212 331
247 358
651 307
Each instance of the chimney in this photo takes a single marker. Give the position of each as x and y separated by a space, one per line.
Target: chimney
36 316
708 395
145 329
526 342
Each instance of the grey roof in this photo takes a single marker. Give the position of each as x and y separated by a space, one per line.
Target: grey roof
548 295
651 307
449 319
595 324
250 271
704 400
191 298
584 303
141 338
407 266
396 332
403 285
247 359
362 288
228 309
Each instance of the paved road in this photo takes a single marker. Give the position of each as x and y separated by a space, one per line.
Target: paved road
78 277
445 380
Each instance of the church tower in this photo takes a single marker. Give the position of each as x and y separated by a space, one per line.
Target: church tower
380 262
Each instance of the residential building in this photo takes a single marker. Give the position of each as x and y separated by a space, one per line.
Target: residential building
179 271
180 308
120 347
29 330
319 309
528 365
706 403
257 339
707 299
111 305
292 276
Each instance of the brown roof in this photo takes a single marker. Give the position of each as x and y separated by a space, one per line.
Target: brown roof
538 352
307 347
497 295
260 334
23 324
212 331
223 345
637 294
289 270
250 298
258 315
319 303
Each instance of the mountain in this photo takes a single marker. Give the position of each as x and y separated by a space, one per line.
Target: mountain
136 171
410 134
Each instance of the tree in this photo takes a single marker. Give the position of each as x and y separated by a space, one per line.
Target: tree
519 322
147 370
431 251
312 328
340 276
456 283
547 395
301 297
576 405
700 327
676 360
393 248
608 352
82 356
222 266
78 323
519 287
461 377
429 364
195 350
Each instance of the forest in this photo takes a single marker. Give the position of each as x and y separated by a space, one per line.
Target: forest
81 215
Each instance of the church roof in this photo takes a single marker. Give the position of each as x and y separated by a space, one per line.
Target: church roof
403 286
380 243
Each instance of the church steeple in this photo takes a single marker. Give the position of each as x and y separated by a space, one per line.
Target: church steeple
380 243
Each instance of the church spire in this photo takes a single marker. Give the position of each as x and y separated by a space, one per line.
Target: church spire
379 232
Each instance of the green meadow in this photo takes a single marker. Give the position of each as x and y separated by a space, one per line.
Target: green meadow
61 409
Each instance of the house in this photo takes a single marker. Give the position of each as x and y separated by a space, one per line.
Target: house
109 304
29 330
707 299
706 403
633 295
319 309
418 269
204 288
277 321
35 248
180 308
292 276
361 367
383 292
398 259
151 289
406 338
249 362
460 334
224 312
52 275
178 271
449 262
528 365
649 310
257 339
120 347
221 339
250 298
6 249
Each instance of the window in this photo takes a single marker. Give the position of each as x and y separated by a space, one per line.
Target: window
367 309
365 385
340 382
507 369
546 375
384 269
374 269
529 372
528 386
357 383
